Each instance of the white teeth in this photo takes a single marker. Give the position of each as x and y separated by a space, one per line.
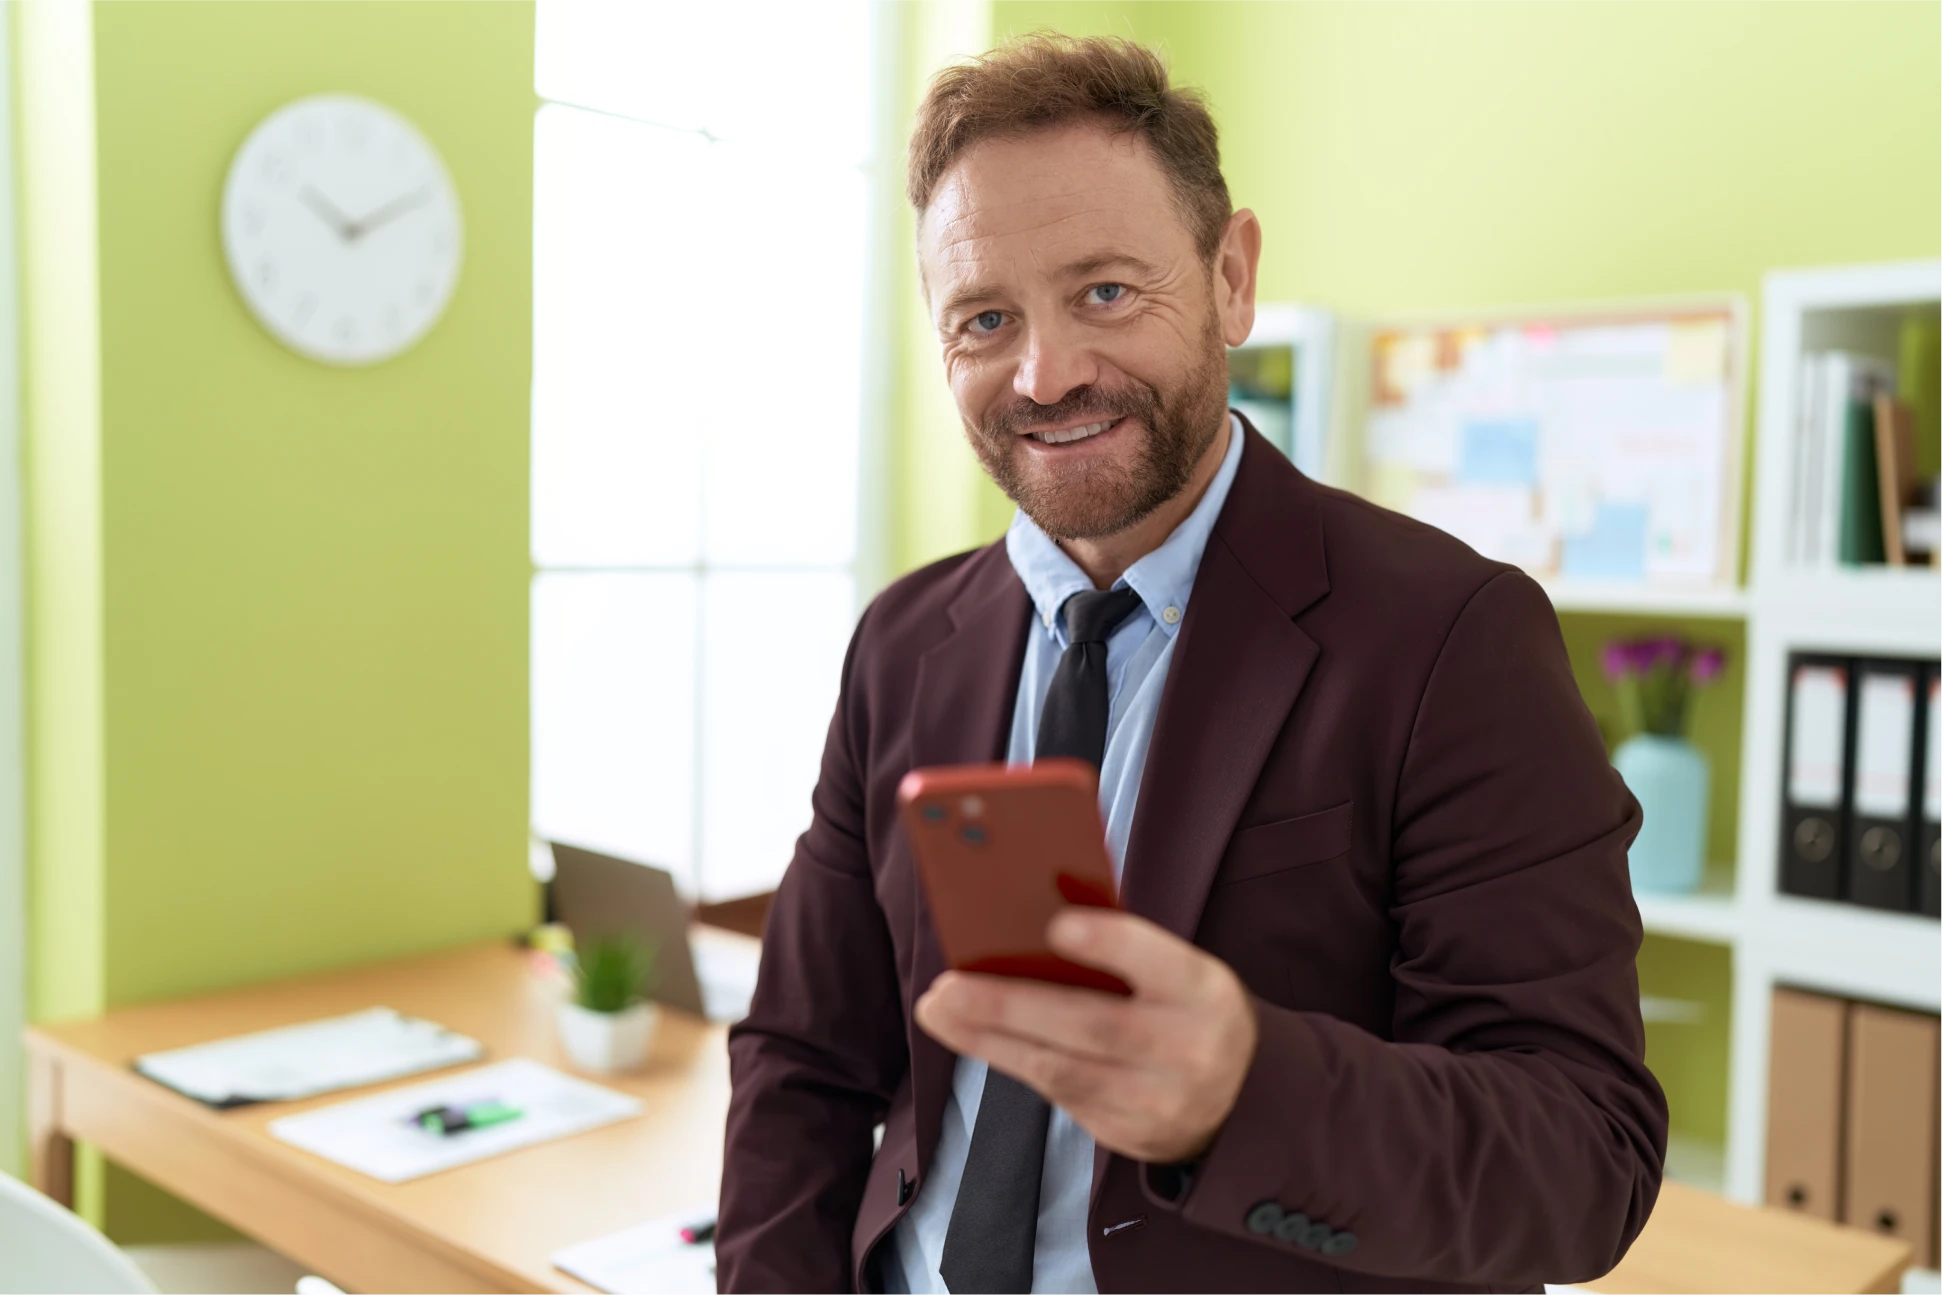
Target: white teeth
1073 433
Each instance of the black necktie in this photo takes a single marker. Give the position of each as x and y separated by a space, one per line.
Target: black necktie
994 1222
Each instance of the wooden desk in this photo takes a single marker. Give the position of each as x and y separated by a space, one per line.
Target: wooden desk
1696 1241
485 1227
490 1226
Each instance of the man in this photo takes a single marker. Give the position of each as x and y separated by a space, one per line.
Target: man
1385 1026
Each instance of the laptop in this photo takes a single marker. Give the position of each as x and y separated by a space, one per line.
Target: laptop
597 894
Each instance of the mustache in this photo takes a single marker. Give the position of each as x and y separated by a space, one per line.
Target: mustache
1089 402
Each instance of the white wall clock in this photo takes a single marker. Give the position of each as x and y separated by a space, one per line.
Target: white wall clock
342 229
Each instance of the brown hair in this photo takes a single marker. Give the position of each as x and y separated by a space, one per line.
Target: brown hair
1046 80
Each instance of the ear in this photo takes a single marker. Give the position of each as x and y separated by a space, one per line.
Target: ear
1235 264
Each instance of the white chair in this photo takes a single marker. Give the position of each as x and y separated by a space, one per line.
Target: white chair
46 1248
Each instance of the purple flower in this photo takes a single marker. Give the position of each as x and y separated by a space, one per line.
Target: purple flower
1618 660
1708 664
1664 651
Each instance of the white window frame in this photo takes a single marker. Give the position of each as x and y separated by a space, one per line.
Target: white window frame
869 565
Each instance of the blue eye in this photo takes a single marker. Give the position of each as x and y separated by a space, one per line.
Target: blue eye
1106 293
988 321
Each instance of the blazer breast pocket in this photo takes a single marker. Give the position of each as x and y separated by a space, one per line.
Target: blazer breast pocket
1268 848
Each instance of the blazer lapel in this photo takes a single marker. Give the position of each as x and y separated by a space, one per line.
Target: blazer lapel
966 688
1238 667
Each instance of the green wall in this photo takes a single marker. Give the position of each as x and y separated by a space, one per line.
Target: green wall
1689 1058
279 609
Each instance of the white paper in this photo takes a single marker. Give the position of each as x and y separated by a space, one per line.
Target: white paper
1803 514
1884 740
1837 386
650 1259
1819 720
1932 776
377 1135
726 965
297 1061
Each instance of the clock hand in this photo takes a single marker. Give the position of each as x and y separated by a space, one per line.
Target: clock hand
389 211
327 212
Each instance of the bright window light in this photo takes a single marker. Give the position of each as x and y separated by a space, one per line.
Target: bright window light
779 73
768 714
614 713
701 234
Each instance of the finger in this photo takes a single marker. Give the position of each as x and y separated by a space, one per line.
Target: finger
1159 965
938 1015
1087 1088
1080 1021
1120 1108
1126 1110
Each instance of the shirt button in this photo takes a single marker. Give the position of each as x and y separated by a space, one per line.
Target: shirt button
1171 615
1048 620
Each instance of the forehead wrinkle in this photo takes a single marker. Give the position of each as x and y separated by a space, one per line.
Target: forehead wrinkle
1077 200
1102 223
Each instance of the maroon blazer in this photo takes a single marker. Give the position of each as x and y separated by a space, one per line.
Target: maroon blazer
1374 791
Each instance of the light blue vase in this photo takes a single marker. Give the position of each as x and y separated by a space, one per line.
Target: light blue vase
1671 780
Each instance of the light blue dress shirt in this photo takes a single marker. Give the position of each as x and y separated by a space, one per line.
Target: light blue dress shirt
1137 656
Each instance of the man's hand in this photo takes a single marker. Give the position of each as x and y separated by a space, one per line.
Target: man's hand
1153 1076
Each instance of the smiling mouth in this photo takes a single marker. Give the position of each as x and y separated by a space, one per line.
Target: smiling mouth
1067 435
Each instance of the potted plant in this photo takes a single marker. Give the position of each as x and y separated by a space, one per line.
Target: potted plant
1655 678
608 1024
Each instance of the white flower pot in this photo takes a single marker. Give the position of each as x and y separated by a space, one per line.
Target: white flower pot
607 1043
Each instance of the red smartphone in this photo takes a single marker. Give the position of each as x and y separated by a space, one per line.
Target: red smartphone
1002 849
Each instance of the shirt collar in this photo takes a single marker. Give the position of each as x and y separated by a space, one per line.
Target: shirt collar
1163 578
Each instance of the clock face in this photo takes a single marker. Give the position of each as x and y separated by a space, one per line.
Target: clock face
342 229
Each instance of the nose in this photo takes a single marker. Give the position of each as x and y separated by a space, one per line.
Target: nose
1054 364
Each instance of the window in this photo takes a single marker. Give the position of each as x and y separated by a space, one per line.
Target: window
701 242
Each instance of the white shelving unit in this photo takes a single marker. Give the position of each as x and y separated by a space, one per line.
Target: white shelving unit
1647 600
1839 949
1711 915
1308 335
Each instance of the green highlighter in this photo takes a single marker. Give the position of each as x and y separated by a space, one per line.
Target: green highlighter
445 1120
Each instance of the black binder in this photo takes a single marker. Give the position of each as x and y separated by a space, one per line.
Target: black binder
1928 751
1814 780
1882 787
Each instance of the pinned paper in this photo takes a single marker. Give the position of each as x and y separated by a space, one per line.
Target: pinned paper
1696 351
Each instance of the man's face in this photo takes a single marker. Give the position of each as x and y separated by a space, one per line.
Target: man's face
1083 333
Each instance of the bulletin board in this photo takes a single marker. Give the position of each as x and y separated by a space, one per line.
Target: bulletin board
1594 447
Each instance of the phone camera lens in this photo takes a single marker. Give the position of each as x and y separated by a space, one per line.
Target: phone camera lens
934 813
973 834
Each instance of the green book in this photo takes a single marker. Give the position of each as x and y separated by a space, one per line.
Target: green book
1860 537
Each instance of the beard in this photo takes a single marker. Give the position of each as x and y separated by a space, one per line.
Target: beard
1096 497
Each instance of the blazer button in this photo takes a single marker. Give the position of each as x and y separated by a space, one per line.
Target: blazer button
1264 1218
1291 1228
1340 1244
903 1188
